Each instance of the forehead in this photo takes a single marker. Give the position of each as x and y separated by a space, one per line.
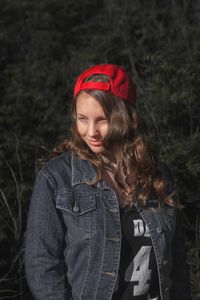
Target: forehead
86 104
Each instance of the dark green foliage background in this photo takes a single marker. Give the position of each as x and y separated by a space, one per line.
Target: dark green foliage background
44 45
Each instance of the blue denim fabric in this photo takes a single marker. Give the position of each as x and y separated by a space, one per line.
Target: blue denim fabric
73 237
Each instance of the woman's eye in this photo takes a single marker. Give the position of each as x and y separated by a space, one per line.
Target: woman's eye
102 120
82 118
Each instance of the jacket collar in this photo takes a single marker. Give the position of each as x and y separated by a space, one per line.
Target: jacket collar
82 170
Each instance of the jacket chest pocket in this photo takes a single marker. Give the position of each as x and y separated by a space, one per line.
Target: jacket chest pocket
78 212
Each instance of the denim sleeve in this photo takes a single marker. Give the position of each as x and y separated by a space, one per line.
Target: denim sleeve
180 275
44 244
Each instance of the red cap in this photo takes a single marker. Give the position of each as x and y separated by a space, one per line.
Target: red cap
120 84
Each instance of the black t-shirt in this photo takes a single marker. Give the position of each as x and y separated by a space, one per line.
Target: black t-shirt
138 274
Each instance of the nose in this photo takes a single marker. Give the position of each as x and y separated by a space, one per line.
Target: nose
92 129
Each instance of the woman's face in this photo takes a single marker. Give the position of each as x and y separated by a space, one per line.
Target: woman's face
92 124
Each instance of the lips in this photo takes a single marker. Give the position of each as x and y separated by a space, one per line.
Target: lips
95 143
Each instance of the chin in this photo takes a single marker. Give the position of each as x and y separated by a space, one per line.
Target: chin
97 150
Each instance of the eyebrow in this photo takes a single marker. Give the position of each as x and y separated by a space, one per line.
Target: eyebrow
81 115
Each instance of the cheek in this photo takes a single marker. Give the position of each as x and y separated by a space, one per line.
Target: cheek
104 130
80 128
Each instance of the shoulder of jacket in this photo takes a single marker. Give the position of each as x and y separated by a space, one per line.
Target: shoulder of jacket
58 164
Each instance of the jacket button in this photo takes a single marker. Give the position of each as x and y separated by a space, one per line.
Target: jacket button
113 210
166 290
76 208
165 262
159 230
112 274
115 239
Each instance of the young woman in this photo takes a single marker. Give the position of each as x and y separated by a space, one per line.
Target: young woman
103 223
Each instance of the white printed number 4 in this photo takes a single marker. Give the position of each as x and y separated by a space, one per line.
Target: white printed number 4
138 271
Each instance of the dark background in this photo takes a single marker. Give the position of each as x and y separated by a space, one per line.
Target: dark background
44 45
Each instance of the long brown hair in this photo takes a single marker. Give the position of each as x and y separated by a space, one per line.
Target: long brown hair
135 157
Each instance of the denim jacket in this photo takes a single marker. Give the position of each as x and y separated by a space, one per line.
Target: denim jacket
73 237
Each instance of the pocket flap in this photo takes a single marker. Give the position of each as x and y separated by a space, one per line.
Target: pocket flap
75 204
